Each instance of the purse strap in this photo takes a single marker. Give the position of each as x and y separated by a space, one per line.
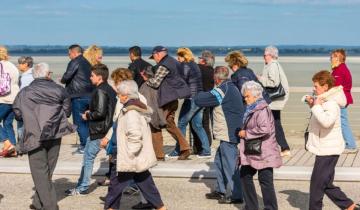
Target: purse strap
278 72
2 69
307 127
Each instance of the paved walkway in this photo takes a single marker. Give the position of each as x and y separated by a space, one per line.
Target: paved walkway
296 167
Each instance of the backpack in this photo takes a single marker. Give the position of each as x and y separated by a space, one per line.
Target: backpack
5 82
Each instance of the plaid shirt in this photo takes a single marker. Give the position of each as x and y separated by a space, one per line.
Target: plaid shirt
160 74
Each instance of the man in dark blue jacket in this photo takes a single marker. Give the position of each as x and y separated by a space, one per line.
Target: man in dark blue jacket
228 113
78 86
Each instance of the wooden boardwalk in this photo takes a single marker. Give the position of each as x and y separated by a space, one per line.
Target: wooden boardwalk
299 157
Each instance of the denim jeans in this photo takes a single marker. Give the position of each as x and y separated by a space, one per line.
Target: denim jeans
6 123
20 129
92 148
78 107
190 112
346 130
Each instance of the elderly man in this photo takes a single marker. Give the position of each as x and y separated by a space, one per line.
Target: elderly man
43 106
205 63
171 88
228 113
78 85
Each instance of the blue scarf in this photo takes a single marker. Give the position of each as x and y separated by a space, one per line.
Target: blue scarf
250 108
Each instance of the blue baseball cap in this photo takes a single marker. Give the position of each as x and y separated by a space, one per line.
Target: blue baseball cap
156 50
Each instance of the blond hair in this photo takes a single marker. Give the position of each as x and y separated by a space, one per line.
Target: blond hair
92 53
3 53
236 58
185 53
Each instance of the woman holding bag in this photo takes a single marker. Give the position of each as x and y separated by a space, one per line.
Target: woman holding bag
262 156
272 76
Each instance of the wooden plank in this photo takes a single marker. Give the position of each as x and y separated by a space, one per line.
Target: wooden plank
293 153
341 160
303 159
310 161
356 162
296 157
349 160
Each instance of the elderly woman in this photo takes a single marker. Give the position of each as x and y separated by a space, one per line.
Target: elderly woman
272 76
326 141
189 111
93 54
135 151
258 125
241 73
342 76
8 71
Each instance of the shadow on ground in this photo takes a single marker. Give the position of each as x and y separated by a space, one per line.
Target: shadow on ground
297 199
1 197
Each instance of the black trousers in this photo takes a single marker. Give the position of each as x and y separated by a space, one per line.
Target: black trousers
267 188
206 124
42 164
322 179
279 131
120 180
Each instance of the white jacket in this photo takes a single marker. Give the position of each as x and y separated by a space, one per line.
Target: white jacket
271 76
10 68
134 141
325 135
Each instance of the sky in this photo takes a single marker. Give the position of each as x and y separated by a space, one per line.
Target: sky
180 22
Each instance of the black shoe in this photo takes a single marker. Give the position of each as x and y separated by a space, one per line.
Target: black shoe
32 206
227 200
214 195
102 198
141 205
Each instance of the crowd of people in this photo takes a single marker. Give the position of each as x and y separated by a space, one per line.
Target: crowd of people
125 115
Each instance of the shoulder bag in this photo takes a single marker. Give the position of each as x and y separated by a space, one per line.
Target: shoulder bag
5 82
252 146
278 91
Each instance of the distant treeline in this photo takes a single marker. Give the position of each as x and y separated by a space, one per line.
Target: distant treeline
293 50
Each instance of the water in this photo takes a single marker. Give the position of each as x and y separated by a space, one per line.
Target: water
299 70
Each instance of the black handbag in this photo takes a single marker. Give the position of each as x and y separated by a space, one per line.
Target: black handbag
253 146
276 92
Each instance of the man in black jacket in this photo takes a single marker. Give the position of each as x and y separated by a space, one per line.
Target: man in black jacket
100 117
43 107
78 86
137 64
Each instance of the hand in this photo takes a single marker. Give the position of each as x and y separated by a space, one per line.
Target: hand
104 142
309 100
83 116
242 134
142 73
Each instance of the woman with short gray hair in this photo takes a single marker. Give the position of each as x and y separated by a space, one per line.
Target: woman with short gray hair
258 126
272 76
135 153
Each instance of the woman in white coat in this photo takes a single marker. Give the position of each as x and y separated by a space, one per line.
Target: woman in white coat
272 76
326 141
135 150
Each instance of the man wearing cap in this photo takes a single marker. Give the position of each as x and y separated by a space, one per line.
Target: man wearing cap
171 87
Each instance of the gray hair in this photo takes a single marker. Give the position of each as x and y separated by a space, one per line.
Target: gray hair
221 73
209 57
128 88
254 88
41 70
26 59
272 51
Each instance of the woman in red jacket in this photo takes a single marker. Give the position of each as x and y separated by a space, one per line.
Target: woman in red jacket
342 76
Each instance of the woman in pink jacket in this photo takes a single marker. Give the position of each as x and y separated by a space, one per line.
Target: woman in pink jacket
342 76
258 124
